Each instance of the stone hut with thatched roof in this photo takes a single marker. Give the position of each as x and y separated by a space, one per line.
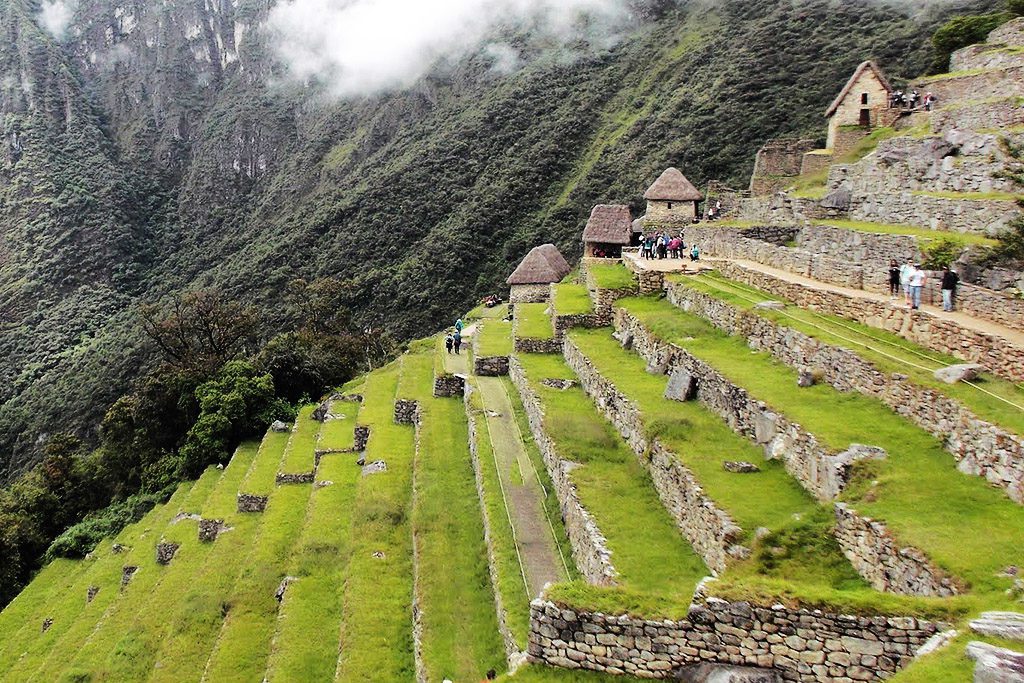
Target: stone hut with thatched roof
531 280
609 229
859 107
672 199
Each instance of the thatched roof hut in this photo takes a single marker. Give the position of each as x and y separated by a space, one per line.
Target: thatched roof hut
542 266
609 224
673 186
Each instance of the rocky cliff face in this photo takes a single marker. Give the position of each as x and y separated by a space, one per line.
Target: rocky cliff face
154 147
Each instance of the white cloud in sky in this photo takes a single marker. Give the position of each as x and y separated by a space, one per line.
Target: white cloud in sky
367 46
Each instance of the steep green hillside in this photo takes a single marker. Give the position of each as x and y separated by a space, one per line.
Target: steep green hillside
144 155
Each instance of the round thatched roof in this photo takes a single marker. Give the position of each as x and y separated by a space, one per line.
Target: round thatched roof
609 224
543 265
673 186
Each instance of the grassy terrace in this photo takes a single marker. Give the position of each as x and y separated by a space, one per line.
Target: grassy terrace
376 624
195 620
119 643
888 352
481 312
769 498
494 338
571 299
460 637
917 491
612 275
533 322
647 549
924 235
313 602
66 602
243 645
298 456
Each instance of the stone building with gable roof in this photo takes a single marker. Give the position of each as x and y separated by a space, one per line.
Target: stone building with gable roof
672 199
859 106
532 279
609 229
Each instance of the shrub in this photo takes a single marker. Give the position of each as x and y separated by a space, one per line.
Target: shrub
81 539
942 252
962 31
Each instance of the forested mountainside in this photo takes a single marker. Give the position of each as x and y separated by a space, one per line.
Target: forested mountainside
155 148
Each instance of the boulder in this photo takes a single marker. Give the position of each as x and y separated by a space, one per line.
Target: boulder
1008 625
740 467
959 373
278 426
805 379
375 467
682 386
659 366
321 411
770 306
995 664
721 673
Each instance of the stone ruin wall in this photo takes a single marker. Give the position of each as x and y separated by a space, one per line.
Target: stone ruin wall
562 323
777 163
711 532
447 386
490 366
798 645
979 447
648 281
945 336
1005 113
532 345
589 548
529 294
877 556
821 473
987 85
512 653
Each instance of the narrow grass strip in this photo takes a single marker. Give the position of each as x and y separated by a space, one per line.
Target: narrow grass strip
52 581
376 632
646 547
259 480
571 299
298 457
494 338
460 636
916 490
533 322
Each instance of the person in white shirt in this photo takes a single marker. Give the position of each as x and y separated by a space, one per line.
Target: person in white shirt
905 279
916 280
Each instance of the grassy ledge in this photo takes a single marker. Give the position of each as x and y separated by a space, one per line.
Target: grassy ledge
533 322
609 276
298 456
494 338
571 299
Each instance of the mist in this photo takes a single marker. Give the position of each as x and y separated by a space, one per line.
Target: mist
55 16
363 47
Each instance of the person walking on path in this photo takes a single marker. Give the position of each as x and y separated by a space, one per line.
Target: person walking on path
894 278
449 343
950 280
458 325
916 281
457 340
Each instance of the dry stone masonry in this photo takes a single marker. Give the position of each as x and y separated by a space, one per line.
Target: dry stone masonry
209 529
532 345
405 412
803 645
448 386
127 572
589 546
248 502
979 447
165 552
490 366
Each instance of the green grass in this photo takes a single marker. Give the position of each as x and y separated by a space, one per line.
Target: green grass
647 548
260 478
950 664
609 276
481 312
963 524
493 338
543 674
460 635
533 322
298 456
571 299
924 235
888 352
338 434
376 626
800 546
121 639
312 604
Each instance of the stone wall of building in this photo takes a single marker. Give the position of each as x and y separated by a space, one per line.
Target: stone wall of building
799 645
589 546
979 447
877 556
711 531
670 213
490 366
822 473
816 161
946 336
529 294
777 163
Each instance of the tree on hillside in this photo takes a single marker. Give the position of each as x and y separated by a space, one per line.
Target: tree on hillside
970 29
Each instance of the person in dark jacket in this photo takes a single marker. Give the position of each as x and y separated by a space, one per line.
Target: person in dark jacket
950 280
894 278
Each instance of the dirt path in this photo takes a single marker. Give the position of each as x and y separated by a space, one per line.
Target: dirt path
522 489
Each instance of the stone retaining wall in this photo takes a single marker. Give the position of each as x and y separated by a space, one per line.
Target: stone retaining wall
1004 113
979 447
532 345
490 366
561 323
945 336
802 645
589 548
248 502
977 216
875 554
405 411
648 281
512 652
711 531
985 85
822 473
447 386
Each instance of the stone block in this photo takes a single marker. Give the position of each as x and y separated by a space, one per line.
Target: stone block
248 502
962 372
375 467
682 386
995 664
278 426
740 467
165 552
1008 625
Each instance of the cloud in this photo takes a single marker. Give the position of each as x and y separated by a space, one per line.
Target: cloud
360 47
55 16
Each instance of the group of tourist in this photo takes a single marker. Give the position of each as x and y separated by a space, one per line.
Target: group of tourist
714 211
453 342
910 278
662 245
901 100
